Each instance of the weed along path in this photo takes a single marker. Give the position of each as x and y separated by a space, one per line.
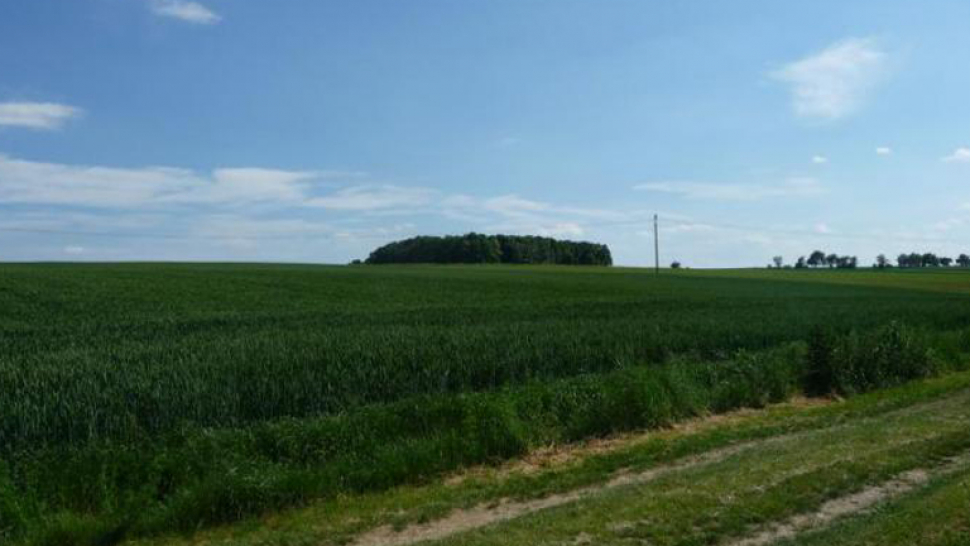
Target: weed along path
753 493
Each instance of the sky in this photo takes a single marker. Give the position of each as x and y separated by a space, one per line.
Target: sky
315 130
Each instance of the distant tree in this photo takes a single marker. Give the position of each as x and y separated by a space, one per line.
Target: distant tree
475 248
778 261
963 260
675 265
930 260
801 264
356 262
846 262
816 259
882 262
946 261
902 260
832 260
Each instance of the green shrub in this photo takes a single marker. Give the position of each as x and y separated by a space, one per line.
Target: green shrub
859 362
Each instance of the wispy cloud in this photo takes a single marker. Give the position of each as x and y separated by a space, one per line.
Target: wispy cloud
884 150
33 182
184 10
960 155
36 115
792 187
232 211
819 159
834 82
374 198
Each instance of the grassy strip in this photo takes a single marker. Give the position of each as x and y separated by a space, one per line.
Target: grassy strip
338 521
937 515
734 498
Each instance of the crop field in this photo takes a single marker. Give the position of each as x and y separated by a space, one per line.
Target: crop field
142 400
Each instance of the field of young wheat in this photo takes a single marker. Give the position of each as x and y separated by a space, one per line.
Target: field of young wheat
147 398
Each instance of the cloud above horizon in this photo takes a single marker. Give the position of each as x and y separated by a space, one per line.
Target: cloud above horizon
240 203
185 10
795 187
36 115
960 155
834 83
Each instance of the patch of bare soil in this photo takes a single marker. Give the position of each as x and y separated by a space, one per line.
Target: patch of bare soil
850 505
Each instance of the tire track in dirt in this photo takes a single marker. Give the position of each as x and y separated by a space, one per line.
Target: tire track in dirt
469 519
459 521
854 504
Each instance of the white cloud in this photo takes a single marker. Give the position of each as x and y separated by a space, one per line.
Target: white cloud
833 83
74 250
792 187
32 182
948 224
822 228
232 211
819 159
256 184
884 150
960 155
184 10
374 197
36 115
513 206
561 229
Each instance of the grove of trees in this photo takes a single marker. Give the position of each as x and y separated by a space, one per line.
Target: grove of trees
819 259
476 248
928 259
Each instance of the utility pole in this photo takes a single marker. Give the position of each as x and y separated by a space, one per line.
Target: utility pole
656 246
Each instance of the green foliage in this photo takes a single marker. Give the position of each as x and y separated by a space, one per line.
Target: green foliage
820 374
12 519
859 362
475 248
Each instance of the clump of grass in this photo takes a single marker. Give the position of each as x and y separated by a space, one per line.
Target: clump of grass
859 362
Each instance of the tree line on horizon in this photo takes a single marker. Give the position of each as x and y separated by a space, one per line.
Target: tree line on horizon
820 259
477 248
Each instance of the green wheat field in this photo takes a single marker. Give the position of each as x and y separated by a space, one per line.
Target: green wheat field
189 402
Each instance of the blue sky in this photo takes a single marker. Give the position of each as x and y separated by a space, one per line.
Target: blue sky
313 131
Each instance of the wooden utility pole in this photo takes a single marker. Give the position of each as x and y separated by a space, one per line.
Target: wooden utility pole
656 246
